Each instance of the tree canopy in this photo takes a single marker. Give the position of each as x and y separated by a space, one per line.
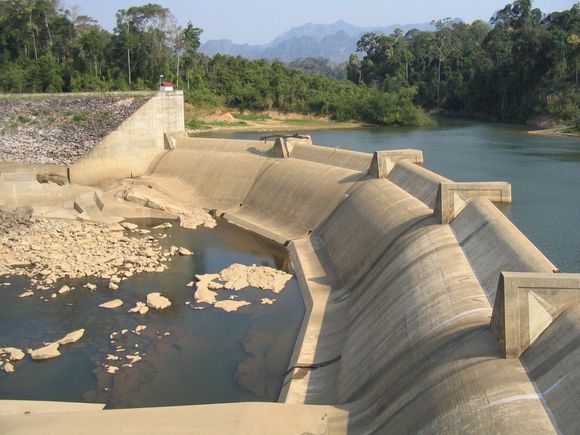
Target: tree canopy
520 64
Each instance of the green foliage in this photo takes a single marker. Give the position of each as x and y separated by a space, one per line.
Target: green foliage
525 64
319 66
259 85
195 124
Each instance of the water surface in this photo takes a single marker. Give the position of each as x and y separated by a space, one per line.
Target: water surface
544 171
191 356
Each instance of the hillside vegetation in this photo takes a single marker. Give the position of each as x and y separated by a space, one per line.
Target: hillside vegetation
524 64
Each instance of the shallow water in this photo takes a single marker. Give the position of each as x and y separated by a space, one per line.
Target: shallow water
209 356
544 171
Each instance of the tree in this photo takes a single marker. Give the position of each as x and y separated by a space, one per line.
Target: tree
144 33
353 71
441 49
187 43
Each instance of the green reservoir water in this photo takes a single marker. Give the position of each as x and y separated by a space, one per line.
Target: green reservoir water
190 356
544 172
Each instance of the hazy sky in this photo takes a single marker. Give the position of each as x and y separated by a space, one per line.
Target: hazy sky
260 21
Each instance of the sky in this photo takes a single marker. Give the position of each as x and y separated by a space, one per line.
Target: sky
260 21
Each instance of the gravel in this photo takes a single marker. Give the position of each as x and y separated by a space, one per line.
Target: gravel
57 129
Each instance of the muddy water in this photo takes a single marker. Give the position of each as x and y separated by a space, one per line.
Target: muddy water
190 356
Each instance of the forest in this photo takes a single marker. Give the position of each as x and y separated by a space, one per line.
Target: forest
522 64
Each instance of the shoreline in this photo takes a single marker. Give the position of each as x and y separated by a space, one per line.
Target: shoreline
278 125
553 132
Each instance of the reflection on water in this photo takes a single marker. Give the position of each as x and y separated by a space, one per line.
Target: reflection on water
544 172
189 356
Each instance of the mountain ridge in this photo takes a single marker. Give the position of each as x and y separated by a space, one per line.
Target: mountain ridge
334 41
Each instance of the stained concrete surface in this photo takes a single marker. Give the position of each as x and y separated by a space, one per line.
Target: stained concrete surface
397 334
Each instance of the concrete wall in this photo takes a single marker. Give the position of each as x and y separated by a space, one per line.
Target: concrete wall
129 150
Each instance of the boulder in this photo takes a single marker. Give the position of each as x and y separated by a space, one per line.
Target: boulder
230 306
72 337
64 289
184 251
14 354
46 352
157 302
8 368
140 308
115 303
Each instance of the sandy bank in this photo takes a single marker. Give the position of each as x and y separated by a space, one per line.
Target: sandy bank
553 132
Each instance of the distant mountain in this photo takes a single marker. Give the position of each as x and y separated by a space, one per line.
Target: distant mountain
331 41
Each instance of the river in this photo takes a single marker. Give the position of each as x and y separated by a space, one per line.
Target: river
189 355
544 171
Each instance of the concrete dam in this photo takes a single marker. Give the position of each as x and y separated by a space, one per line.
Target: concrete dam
427 309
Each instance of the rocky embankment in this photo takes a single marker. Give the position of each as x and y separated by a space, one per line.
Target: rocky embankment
59 130
48 250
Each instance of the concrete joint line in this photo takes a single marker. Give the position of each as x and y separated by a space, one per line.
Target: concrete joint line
527 303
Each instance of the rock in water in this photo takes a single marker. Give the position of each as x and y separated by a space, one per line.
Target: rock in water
9 368
64 289
157 302
229 305
72 337
140 308
203 294
115 303
14 354
184 251
46 352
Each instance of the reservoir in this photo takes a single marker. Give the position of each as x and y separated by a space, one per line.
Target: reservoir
544 171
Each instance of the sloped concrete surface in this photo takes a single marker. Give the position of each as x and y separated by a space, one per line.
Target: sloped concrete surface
397 336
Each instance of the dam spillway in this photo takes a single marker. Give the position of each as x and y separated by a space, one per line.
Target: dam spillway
427 309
